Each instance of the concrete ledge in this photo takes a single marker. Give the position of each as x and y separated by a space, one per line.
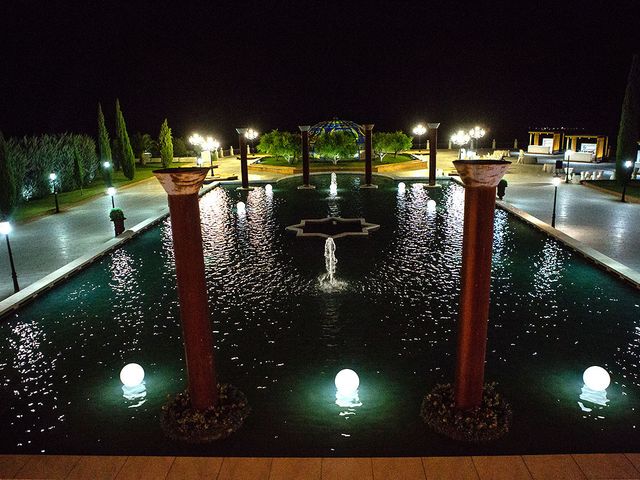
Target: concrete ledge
601 260
60 275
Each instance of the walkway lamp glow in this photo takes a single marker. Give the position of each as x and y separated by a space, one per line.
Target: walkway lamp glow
241 209
106 165
111 191
628 165
5 229
52 179
419 130
460 138
401 187
556 181
196 139
477 133
250 135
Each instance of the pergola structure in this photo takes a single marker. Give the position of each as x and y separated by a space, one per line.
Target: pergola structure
564 139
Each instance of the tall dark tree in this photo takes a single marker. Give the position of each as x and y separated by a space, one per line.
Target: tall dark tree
8 194
126 152
166 144
78 171
104 148
629 131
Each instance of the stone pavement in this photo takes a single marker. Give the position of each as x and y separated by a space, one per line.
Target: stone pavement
597 219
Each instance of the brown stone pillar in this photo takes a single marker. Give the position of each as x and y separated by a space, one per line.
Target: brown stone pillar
304 130
182 185
480 178
368 154
433 152
244 172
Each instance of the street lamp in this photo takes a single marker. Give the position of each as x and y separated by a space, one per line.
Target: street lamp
556 180
460 138
419 130
568 154
5 229
250 135
52 179
477 133
627 178
111 191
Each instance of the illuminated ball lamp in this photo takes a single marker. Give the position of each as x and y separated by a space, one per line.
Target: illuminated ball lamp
241 208
132 378
347 383
268 189
431 205
596 380
401 187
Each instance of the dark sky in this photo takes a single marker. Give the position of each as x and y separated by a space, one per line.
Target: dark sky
214 66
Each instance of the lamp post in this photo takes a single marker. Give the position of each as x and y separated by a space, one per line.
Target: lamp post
52 179
556 181
244 171
304 132
5 229
111 191
460 138
419 130
568 153
628 165
477 133
433 152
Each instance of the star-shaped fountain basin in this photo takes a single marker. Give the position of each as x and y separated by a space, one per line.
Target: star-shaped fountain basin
333 227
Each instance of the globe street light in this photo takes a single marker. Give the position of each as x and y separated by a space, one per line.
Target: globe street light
419 130
52 179
568 154
111 191
627 178
460 138
5 229
477 133
251 135
556 181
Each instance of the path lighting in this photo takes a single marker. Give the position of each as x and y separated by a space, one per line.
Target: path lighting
196 139
241 209
477 133
568 154
5 229
460 138
251 135
106 165
419 130
556 181
401 187
628 165
111 191
52 179
268 189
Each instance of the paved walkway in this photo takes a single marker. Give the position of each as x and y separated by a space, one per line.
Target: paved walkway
516 467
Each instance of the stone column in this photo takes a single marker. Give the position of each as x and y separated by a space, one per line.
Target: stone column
493 144
368 154
231 150
480 178
433 152
515 143
182 185
304 130
244 171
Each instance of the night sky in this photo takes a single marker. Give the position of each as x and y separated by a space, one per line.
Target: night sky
214 66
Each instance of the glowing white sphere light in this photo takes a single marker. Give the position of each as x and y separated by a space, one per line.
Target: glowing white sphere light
268 188
241 208
111 191
401 187
431 205
596 378
5 228
131 375
106 164
347 382
52 176
556 181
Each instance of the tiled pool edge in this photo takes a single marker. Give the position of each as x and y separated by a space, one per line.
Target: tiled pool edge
38 287
601 260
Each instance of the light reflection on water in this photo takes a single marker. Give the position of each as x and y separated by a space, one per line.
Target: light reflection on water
282 340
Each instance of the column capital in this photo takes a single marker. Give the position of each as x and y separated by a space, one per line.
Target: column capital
481 173
181 181
433 125
304 128
368 126
242 131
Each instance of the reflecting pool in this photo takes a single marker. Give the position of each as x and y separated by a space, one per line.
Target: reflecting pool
282 338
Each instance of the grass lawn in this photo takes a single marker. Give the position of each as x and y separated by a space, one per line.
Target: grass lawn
633 188
356 164
42 206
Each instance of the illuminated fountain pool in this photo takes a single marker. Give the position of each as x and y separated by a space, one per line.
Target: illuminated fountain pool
282 336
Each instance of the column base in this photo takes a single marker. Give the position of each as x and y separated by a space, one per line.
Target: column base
433 186
306 187
368 185
242 189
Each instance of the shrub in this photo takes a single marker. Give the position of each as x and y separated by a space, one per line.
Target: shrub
116 214
166 145
124 144
8 187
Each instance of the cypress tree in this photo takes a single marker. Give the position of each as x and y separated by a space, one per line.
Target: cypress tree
8 194
104 147
126 152
166 144
629 131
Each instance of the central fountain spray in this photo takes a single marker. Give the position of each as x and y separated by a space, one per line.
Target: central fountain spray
328 281
333 187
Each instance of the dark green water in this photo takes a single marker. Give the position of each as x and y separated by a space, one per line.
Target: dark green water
282 339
